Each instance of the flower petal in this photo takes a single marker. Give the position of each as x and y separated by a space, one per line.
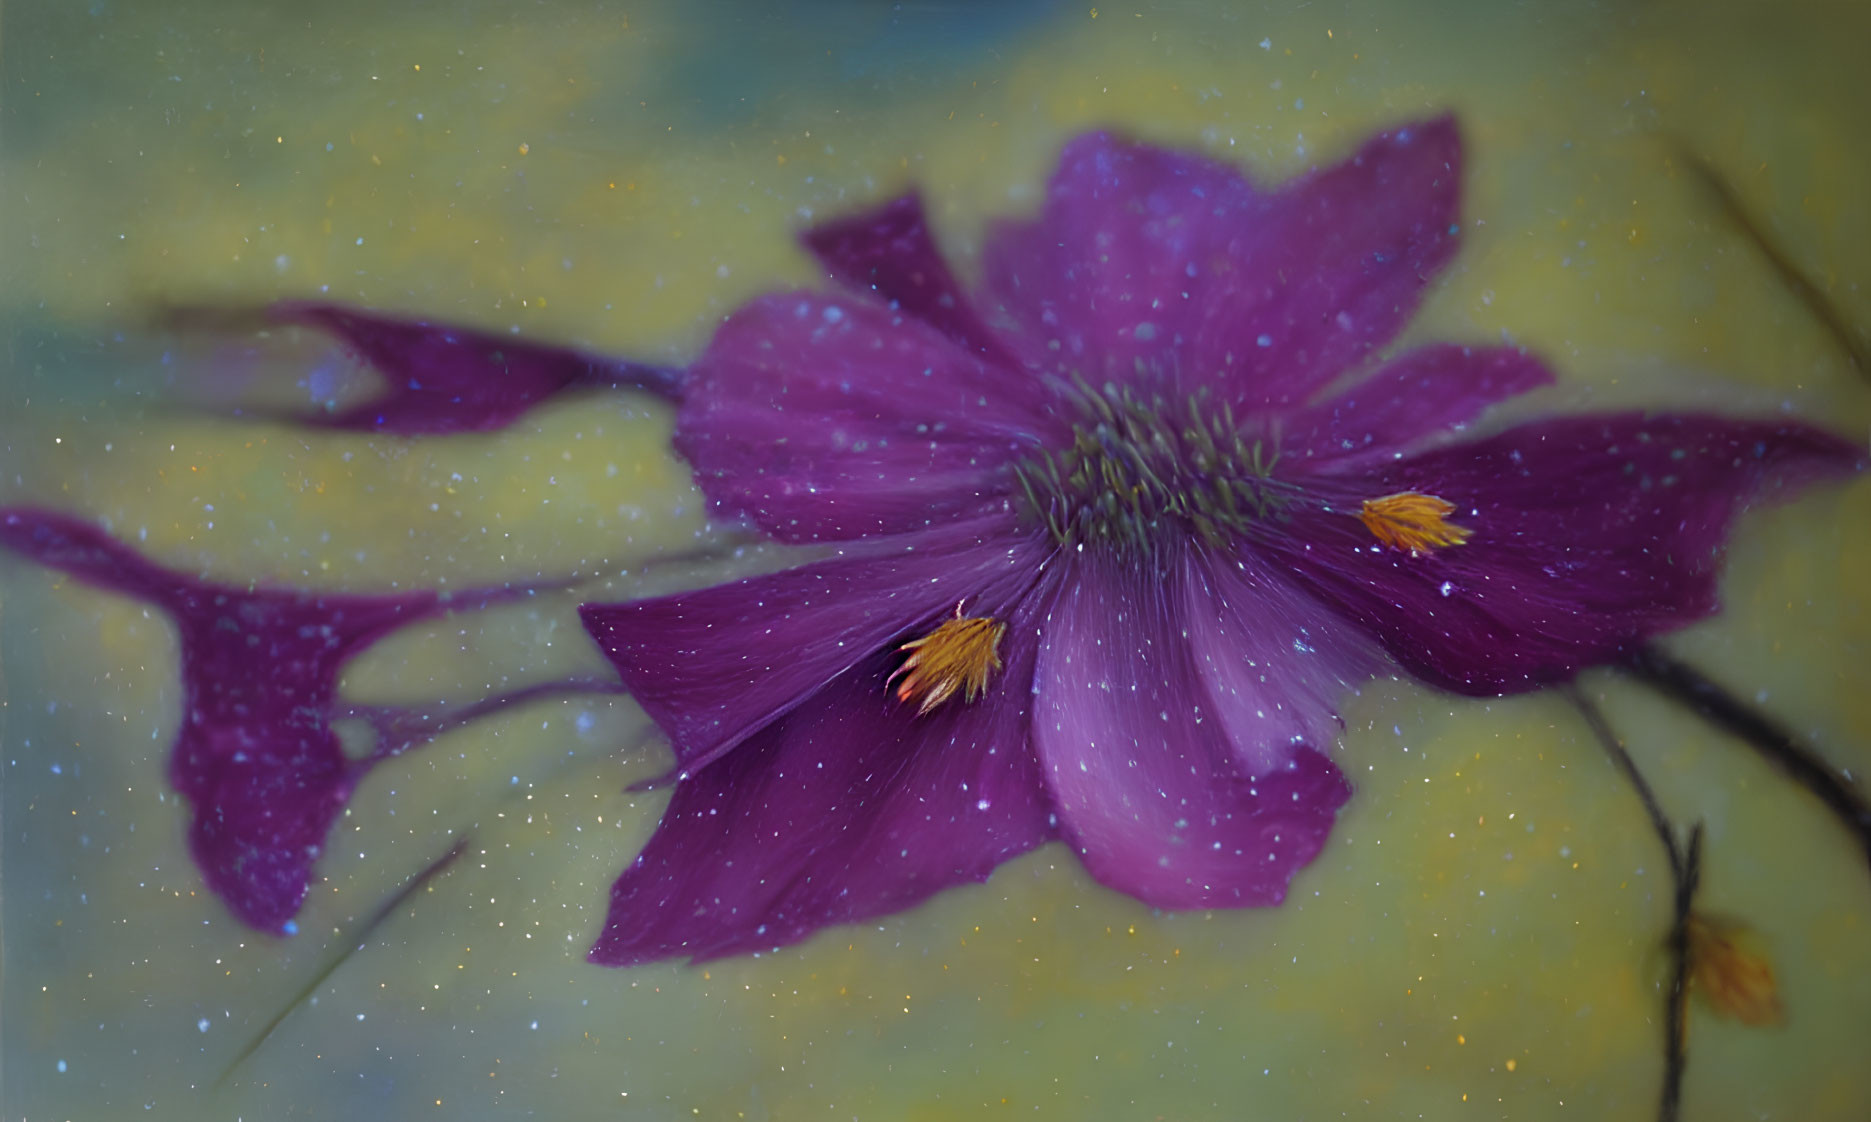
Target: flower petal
888 250
445 379
1147 785
1149 260
1109 276
1430 391
713 667
1275 667
849 807
1590 536
255 755
825 418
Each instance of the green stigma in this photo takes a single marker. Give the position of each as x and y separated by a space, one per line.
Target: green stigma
1137 471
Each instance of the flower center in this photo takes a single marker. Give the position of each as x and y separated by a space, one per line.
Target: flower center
959 655
1135 469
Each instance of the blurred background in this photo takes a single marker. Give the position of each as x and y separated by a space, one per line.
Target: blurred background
1483 935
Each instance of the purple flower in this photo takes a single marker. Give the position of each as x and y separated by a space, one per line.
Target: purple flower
1110 538
255 754
440 379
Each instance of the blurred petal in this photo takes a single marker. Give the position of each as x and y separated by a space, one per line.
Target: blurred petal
1146 783
824 418
255 755
445 379
1274 666
1430 392
1590 535
1173 266
1110 269
849 807
888 250
713 667
1729 966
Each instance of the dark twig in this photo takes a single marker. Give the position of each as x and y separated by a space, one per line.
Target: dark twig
377 918
356 943
1808 292
1685 873
1684 684
400 729
1676 1017
1595 720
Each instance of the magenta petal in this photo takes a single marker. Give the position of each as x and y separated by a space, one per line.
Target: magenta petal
255 755
1428 392
1146 259
1591 535
714 666
888 251
1274 666
849 807
1106 278
1337 269
1146 784
824 418
445 379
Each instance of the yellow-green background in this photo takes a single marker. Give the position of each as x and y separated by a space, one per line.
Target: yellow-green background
624 175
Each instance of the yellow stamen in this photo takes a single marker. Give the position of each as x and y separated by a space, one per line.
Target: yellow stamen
1414 521
959 655
1732 972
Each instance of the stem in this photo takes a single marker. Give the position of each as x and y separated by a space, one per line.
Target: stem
1835 322
1689 687
1685 874
352 945
1676 1020
1601 728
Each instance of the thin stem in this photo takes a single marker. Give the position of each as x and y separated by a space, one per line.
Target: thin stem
1685 874
1836 323
400 729
1595 720
354 944
1676 1017
1691 688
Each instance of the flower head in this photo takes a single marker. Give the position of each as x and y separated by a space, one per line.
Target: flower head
1177 546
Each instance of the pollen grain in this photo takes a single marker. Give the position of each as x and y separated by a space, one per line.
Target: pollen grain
959 656
1414 521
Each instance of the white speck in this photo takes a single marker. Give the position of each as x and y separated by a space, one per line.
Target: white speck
1266 44
1264 341
1447 589
360 1016
61 1067
982 805
202 1024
